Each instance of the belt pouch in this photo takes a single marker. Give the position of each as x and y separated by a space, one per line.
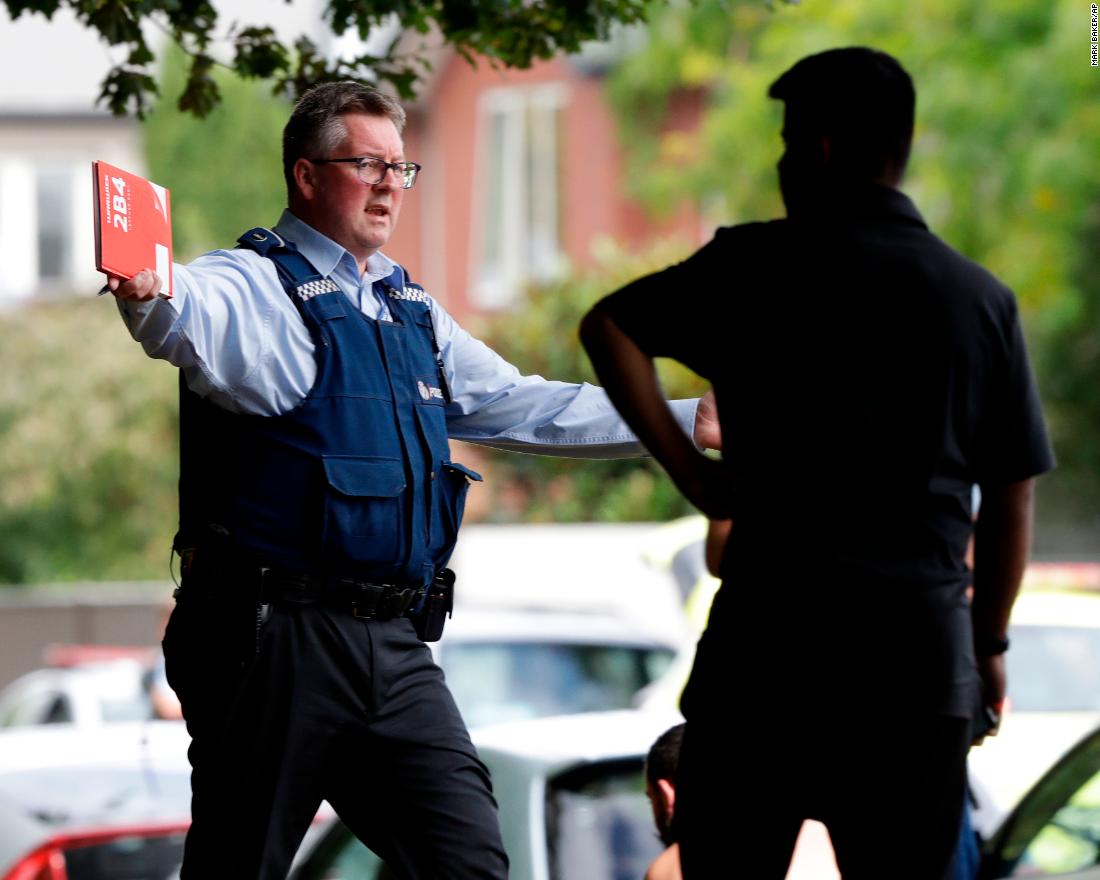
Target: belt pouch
437 607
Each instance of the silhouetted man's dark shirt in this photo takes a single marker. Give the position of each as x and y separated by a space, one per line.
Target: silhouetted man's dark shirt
867 376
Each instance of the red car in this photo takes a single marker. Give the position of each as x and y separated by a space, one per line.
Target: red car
108 804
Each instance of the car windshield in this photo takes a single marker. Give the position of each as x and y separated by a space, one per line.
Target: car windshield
599 823
1054 669
494 682
132 857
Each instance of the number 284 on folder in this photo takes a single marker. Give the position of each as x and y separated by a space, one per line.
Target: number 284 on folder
133 225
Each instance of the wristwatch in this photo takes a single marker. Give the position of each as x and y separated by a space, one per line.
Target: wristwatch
990 647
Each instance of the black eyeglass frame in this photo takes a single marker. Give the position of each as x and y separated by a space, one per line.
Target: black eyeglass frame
400 168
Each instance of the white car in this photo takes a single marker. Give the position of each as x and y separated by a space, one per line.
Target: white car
509 664
501 665
1053 670
573 807
86 695
97 803
572 801
1052 832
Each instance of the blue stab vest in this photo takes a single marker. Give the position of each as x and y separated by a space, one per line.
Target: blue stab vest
356 480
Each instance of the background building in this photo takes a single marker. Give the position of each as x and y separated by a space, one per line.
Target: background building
50 131
523 173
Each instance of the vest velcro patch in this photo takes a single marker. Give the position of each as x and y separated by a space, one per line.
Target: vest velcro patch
312 288
411 292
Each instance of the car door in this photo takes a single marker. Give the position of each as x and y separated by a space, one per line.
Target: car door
1055 829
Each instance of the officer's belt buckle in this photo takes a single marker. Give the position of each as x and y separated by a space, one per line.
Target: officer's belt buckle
384 601
366 601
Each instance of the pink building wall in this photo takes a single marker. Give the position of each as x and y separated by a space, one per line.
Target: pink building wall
439 237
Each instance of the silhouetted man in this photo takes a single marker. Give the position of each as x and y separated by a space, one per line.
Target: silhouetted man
660 788
866 376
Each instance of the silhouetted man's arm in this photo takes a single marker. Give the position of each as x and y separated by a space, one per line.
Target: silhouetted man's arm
629 377
718 533
1002 541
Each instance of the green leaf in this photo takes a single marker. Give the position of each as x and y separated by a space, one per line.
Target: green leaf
45 7
259 54
127 91
200 94
140 55
115 22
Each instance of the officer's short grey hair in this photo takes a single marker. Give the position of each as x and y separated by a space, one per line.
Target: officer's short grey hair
316 125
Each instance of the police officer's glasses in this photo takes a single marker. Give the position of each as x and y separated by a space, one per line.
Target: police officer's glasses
372 171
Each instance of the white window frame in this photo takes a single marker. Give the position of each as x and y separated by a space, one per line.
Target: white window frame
522 243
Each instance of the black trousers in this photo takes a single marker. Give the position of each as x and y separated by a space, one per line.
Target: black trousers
890 790
314 705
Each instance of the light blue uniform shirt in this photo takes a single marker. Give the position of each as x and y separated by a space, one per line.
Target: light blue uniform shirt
239 340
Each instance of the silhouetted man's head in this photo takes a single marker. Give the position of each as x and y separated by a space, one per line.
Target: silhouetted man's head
848 120
660 779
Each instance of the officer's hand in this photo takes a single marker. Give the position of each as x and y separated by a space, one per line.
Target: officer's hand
142 287
707 433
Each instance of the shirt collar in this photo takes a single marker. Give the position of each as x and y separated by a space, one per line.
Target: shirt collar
326 255
885 200
871 200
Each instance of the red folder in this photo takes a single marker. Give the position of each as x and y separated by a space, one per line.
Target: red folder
133 225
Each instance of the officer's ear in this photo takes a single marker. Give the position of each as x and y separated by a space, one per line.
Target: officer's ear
305 178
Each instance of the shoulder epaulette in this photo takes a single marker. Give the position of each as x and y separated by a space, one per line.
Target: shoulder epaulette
410 292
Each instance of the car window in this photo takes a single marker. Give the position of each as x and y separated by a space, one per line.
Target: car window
599 823
341 856
599 826
28 708
136 708
1054 669
1055 830
511 681
127 858
1070 840
60 711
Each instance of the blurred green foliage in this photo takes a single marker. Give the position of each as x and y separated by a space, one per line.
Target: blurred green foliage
540 337
1004 164
88 440
225 171
88 426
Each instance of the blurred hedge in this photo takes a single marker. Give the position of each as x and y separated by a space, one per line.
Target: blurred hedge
539 335
88 447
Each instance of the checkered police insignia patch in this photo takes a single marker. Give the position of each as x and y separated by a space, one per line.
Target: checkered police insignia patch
312 288
411 292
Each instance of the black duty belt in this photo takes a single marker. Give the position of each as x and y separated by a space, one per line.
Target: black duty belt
365 599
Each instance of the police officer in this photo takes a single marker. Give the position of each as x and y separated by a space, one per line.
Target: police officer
318 506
